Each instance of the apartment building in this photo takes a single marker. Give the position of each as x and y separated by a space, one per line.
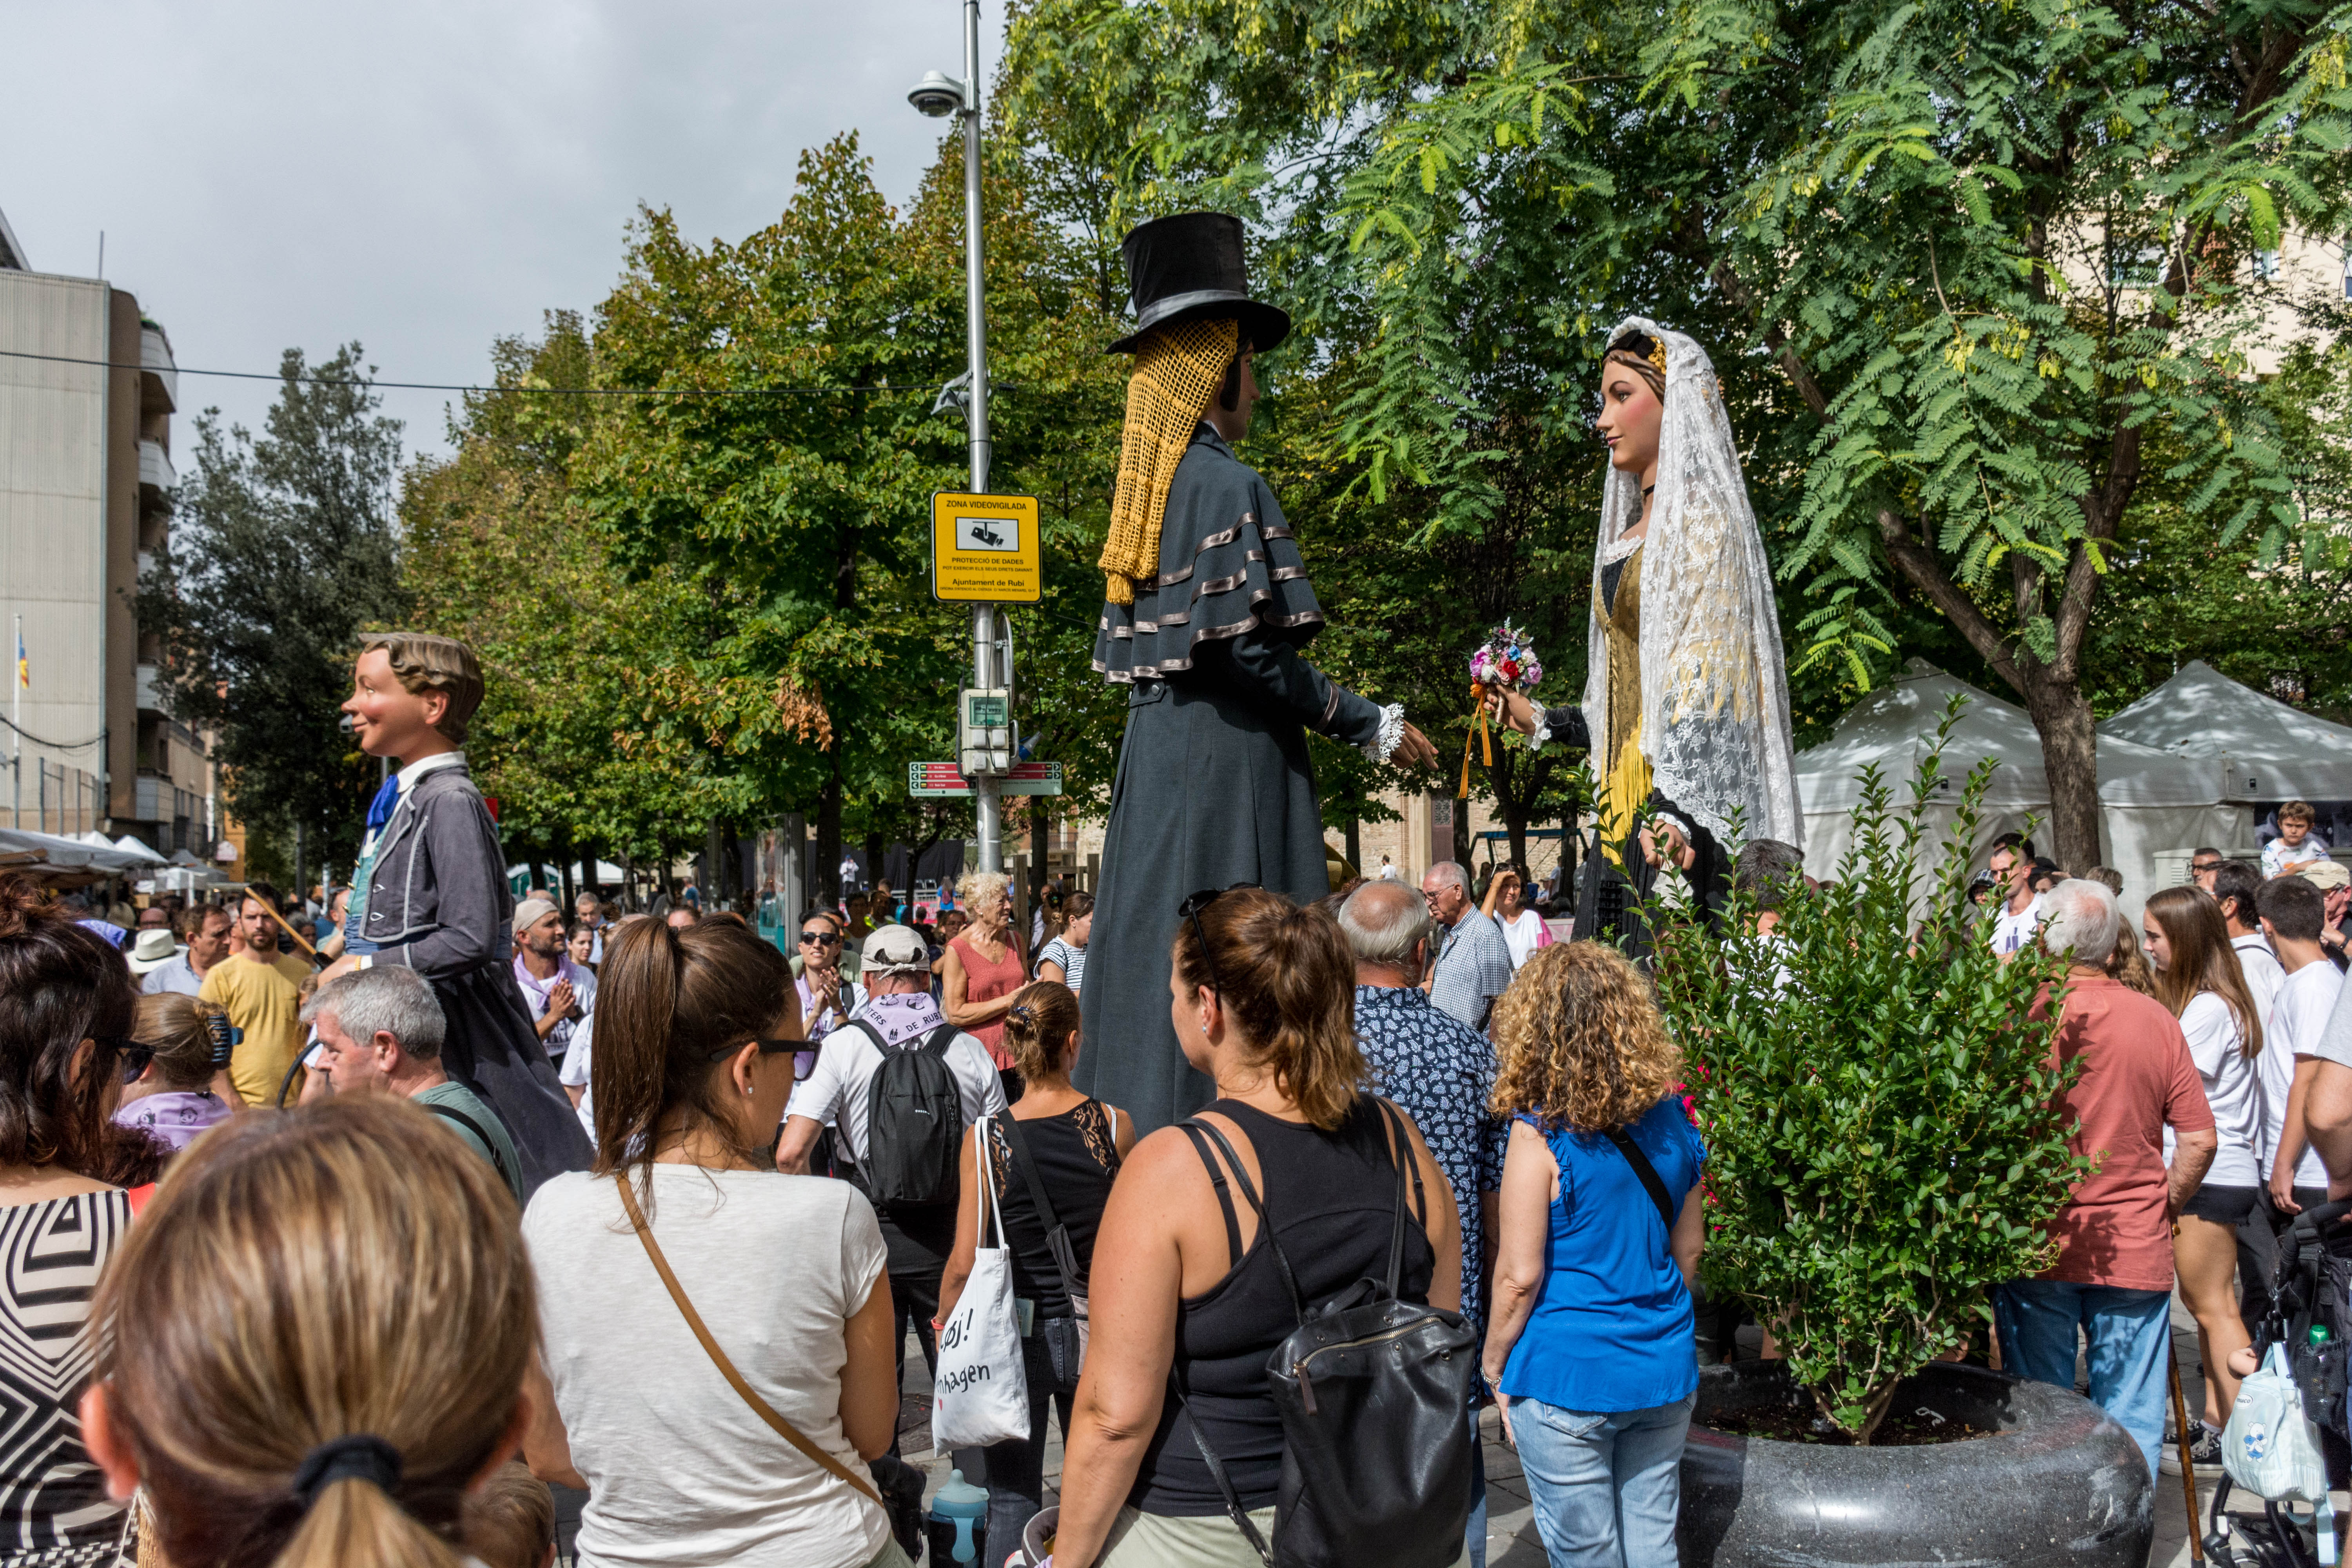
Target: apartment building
88 388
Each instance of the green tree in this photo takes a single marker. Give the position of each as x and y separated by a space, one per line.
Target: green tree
569 738
790 493
1959 263
281 555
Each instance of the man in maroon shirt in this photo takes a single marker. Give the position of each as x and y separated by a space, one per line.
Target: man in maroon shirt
2112 1281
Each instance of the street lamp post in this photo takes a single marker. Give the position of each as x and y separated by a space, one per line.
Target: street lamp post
938 97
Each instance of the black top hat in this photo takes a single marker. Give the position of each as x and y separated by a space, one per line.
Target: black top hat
1190 268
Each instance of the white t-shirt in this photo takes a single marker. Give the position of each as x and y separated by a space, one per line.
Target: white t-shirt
2264 975
2011 932
2335 1043
680 1471
574 1073
2232 1087
836 1092
1524 935
2296 1020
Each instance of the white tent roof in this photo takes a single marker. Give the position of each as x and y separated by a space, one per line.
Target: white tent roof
1894 728
2269 750
129 844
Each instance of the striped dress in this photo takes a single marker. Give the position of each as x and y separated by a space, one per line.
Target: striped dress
54 1510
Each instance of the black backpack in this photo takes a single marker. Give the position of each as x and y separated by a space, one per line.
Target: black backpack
914 1121
1374 1396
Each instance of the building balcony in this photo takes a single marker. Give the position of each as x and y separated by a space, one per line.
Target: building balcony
146 563
159 374
151 799
156 477
149 683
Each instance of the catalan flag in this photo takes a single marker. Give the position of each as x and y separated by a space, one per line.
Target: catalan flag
23 665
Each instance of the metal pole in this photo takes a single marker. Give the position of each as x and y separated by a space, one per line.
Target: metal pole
16 719
986 791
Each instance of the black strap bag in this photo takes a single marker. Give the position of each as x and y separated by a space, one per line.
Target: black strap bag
1374 1396
1066 1338
914 1121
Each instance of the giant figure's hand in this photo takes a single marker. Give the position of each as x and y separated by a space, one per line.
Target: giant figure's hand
1414 750
1662 841
1513 710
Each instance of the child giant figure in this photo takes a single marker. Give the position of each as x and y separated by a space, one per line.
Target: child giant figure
431 891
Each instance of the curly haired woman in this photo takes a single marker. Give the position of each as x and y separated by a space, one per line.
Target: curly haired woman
1589 1346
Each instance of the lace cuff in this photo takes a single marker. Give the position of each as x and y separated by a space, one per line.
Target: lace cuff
1382 746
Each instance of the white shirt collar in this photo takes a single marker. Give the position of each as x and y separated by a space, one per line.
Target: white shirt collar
418 769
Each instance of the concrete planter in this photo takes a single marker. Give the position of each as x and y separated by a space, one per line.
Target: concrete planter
2058 1482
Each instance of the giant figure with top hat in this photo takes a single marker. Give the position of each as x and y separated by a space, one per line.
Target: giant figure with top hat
1207 608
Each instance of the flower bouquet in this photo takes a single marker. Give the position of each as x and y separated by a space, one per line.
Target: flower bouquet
1505 662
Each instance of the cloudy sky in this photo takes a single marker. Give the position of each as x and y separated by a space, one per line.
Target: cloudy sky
425 176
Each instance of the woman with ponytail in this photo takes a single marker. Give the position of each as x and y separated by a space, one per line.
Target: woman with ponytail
316 1342
698 1032
1262 995
66 1003
1072 1145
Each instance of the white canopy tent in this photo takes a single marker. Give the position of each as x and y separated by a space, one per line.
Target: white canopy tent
2269 751
2150 802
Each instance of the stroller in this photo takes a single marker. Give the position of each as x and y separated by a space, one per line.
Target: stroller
2308 1290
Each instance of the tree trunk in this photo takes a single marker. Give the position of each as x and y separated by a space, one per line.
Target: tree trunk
538 864
1040 828
563 872
1353 843
827 879
2062 716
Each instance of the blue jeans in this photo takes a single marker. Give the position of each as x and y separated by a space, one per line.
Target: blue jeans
2038 1319
1606 1485
1016 1470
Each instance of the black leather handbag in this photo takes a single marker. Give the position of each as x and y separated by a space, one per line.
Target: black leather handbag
1374 1396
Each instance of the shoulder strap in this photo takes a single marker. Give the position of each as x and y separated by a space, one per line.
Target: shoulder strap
1401 1151
1264 1220
1057 1234
760 1407
481 1135
1647 1171
1225 1192
1217 1473
940 1039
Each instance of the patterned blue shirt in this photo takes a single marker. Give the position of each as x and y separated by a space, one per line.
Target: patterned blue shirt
1440 1073
1473 968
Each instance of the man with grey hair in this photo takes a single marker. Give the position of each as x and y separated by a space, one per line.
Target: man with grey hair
1440 1071
380 1032
1474 958
2113 1276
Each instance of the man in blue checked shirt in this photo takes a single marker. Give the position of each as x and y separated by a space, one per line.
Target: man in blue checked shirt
1474 961
1441 1072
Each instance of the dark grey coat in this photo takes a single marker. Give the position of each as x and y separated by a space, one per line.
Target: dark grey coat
1214 785
438 902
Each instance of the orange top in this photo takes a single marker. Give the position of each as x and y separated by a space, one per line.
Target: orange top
985 982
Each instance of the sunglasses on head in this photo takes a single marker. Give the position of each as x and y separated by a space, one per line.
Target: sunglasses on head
1190 910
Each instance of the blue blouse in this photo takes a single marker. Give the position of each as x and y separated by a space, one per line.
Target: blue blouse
1612 1327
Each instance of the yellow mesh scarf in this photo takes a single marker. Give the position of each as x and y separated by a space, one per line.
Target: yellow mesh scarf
1177 370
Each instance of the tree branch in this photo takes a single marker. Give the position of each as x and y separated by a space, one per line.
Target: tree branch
1916 561
1793 364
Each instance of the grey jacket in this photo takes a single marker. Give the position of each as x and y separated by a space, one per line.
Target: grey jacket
438 901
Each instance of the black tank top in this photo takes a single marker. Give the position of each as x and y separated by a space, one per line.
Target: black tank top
1331 1196
1076 1159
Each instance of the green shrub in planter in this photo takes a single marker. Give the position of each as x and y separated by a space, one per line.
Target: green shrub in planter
1882 1147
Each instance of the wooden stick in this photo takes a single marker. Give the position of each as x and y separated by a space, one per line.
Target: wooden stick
288 929
2180 1425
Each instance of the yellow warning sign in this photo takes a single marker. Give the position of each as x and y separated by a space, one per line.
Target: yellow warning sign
985 549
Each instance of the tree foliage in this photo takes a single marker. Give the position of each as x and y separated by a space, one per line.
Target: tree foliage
281 555
1960 262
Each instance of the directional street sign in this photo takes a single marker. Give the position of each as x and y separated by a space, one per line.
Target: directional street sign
985 550
942 778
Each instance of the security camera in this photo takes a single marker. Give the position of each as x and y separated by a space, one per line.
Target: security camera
936 95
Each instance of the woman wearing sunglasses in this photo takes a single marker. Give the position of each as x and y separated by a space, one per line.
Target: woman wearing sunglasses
828 997
697 1033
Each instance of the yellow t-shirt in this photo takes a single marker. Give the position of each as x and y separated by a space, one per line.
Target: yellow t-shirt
263 1000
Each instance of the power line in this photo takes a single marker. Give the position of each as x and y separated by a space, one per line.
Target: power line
52 745
457 387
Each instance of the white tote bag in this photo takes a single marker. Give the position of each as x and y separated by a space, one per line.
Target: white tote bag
981 1391
2270 1447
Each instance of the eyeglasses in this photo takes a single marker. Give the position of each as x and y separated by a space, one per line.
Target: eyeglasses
803 1064
130 1054
2204 865
821 938
767 1049
1190 910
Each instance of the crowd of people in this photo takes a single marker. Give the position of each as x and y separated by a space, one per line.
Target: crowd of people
312 1276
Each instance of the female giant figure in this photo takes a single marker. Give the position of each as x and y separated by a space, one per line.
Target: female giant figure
1686 696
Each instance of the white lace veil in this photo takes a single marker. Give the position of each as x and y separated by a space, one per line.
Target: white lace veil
1715 688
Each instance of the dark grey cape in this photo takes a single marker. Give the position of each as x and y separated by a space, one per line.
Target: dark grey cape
1214 785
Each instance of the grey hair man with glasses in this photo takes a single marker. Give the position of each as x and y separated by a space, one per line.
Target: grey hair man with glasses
1474 958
